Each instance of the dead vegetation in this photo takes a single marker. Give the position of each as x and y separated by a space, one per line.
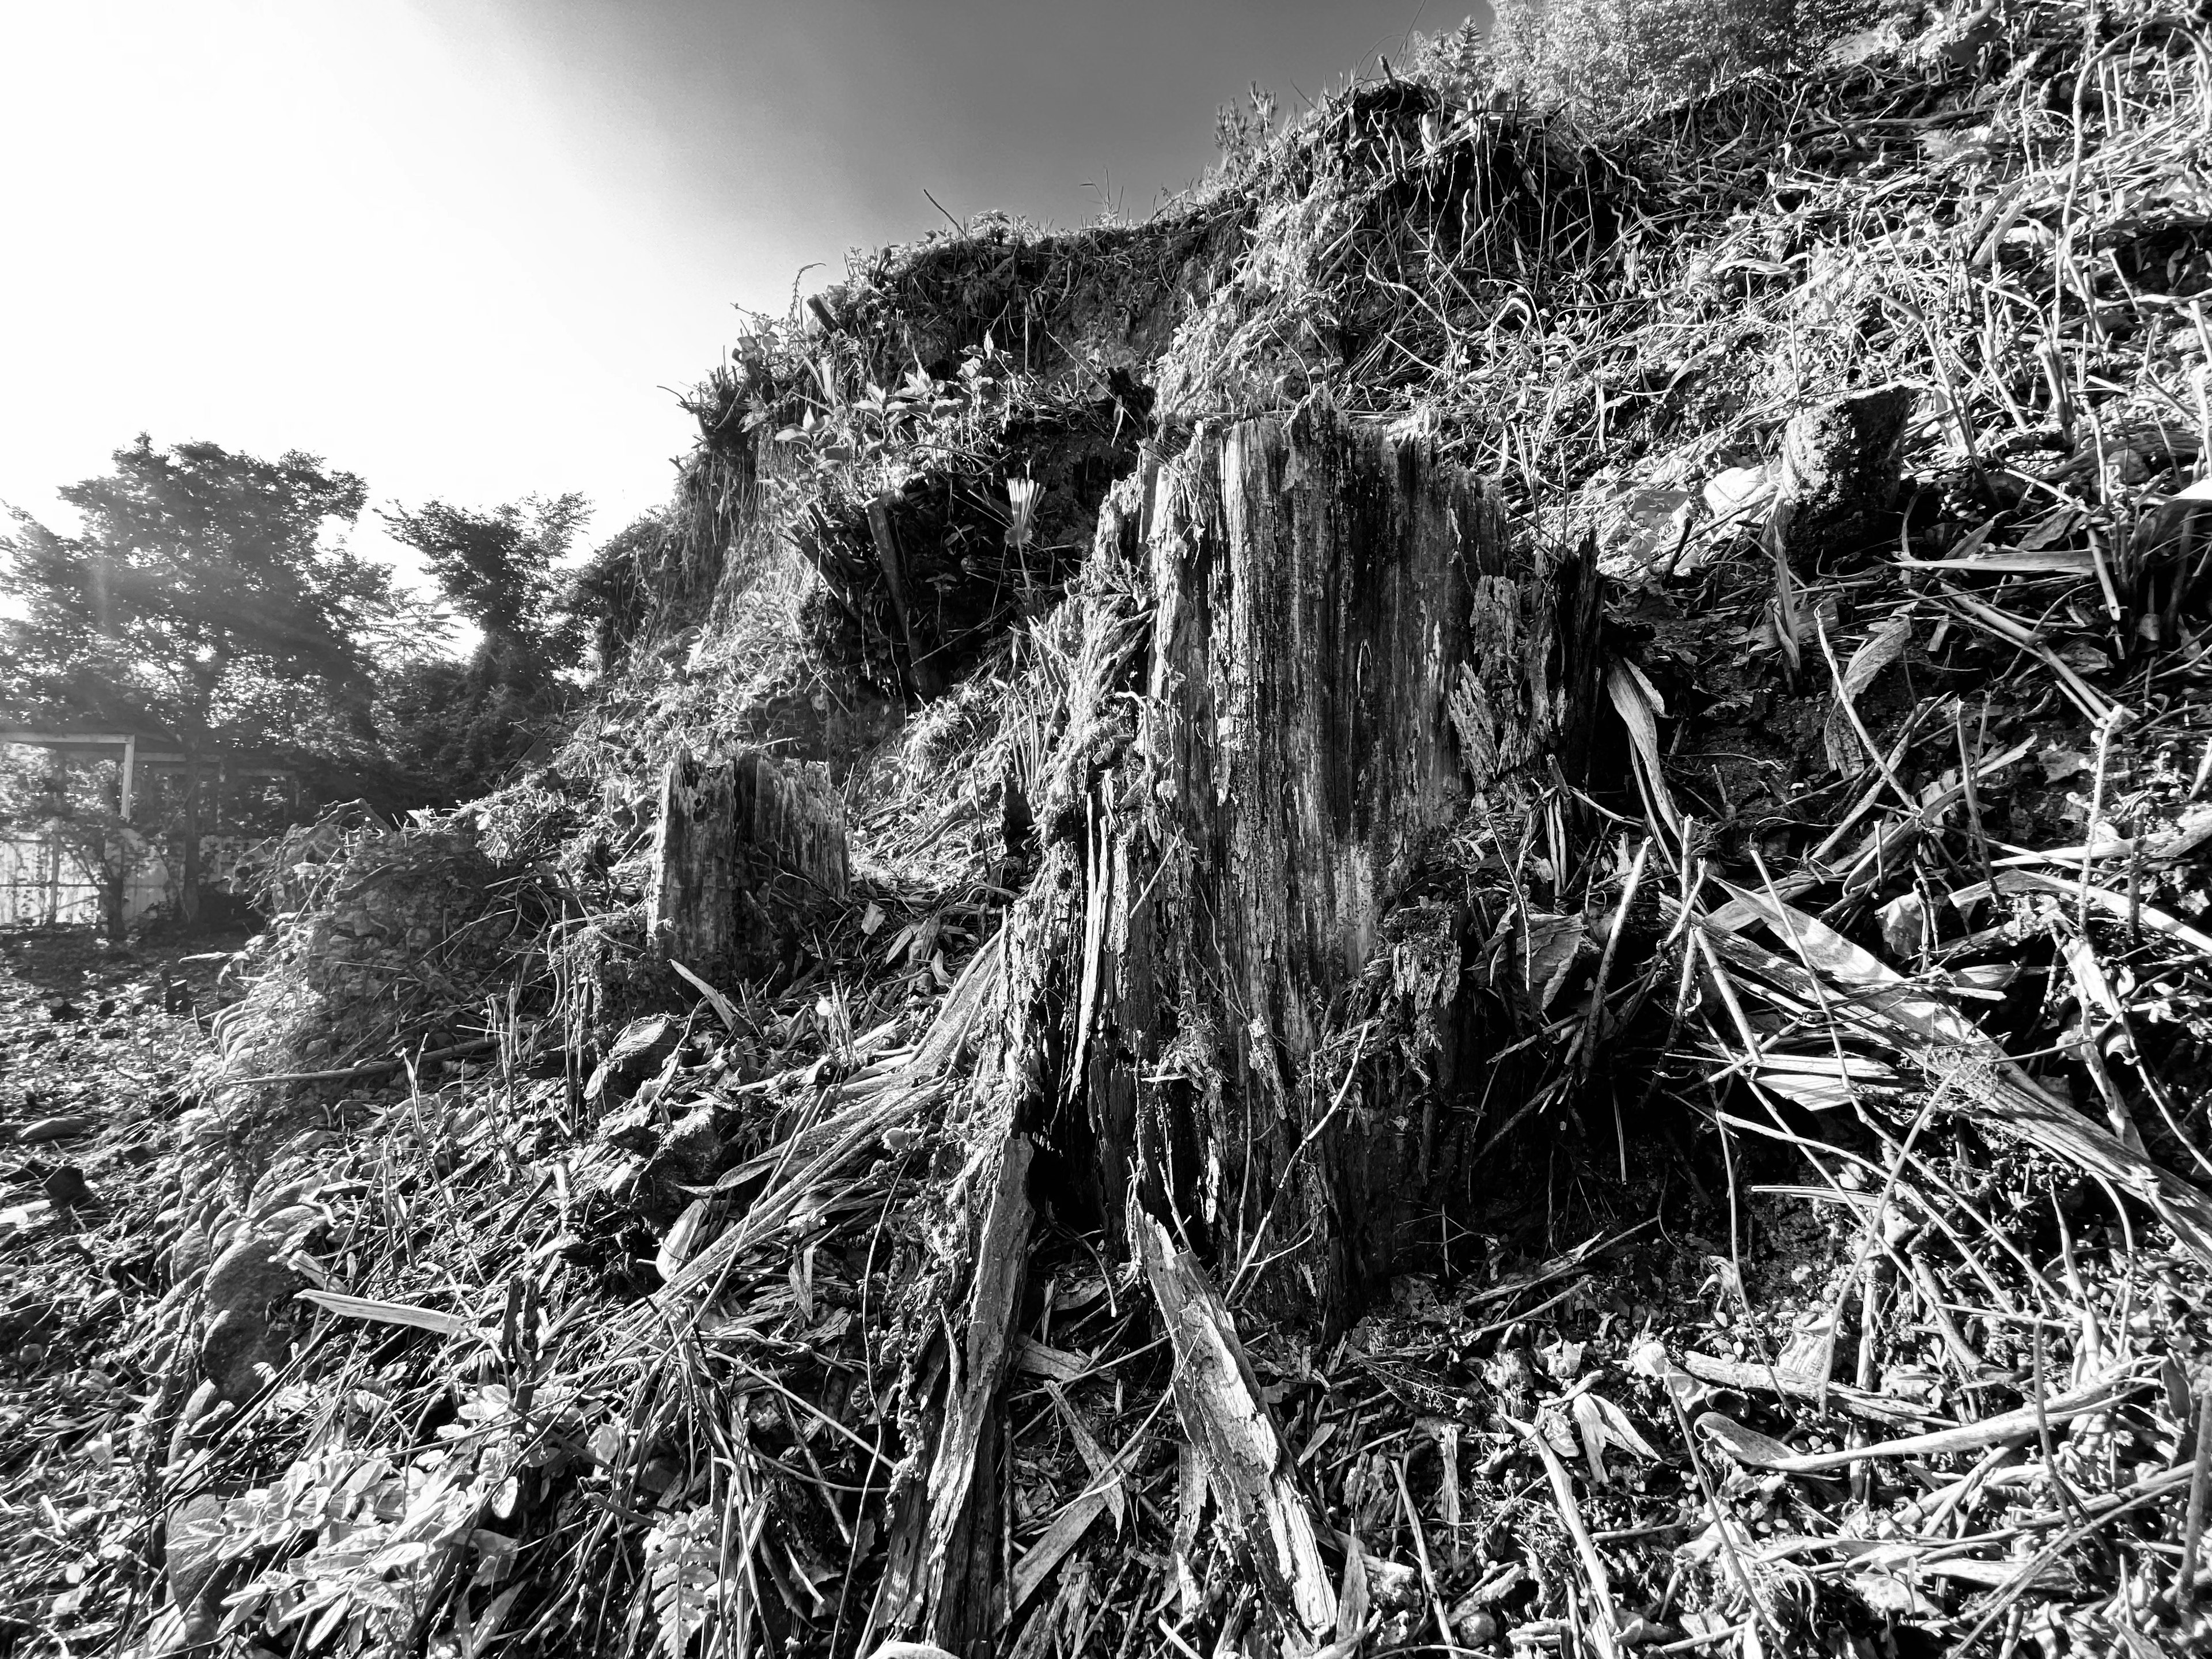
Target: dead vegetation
1800 1089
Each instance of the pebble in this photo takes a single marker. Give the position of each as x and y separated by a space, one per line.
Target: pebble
53 1128
65 1188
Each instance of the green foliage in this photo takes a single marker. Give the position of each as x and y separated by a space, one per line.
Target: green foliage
498 570
206 594
1604 58
1241 128
356 1551
209 595
609 595
834 429
450 729
684 1562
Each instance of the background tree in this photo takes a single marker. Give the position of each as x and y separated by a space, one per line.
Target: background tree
210 595
609 594
454 728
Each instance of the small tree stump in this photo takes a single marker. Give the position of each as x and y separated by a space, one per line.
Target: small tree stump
1839 471
728 829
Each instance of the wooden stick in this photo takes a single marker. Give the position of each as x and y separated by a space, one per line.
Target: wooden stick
2184 1589
1759 1452
367 1068
1421 1553
1606 1640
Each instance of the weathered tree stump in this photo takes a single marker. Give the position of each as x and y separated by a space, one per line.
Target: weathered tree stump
1347 648
1307 651
728 830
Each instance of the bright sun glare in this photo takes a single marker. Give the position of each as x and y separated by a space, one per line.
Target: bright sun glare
282 227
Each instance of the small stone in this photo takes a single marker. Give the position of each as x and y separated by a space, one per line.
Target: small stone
643 1044
635 1130
53 1128
249 1277
233 1352
65 1188
1478 1628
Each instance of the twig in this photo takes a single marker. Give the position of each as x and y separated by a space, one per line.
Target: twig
367 1068
1421 1553
1607 1639
2200 1469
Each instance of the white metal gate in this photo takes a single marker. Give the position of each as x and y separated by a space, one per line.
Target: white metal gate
43 880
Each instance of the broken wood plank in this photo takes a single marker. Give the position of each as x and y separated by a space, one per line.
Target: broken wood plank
1231 1430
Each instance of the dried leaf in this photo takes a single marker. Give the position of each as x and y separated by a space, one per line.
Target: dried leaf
1881 647
390 1313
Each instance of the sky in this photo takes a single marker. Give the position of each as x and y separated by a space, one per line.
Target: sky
468 249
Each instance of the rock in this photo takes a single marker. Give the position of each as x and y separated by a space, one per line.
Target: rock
1737 493
54 1128
1477 1628
1839 472
634 1130
692 1152
281 1196
643 1044
189 1255
206 1401
65 1188
691 1155
250 1277
289 1227
233 1353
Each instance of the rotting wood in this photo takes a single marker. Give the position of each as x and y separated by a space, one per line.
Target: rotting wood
942 1577
1254 1478
1345 644
787 817
726 826
694 902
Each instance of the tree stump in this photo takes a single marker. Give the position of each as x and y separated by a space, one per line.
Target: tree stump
1307 651
1346 648
742 843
